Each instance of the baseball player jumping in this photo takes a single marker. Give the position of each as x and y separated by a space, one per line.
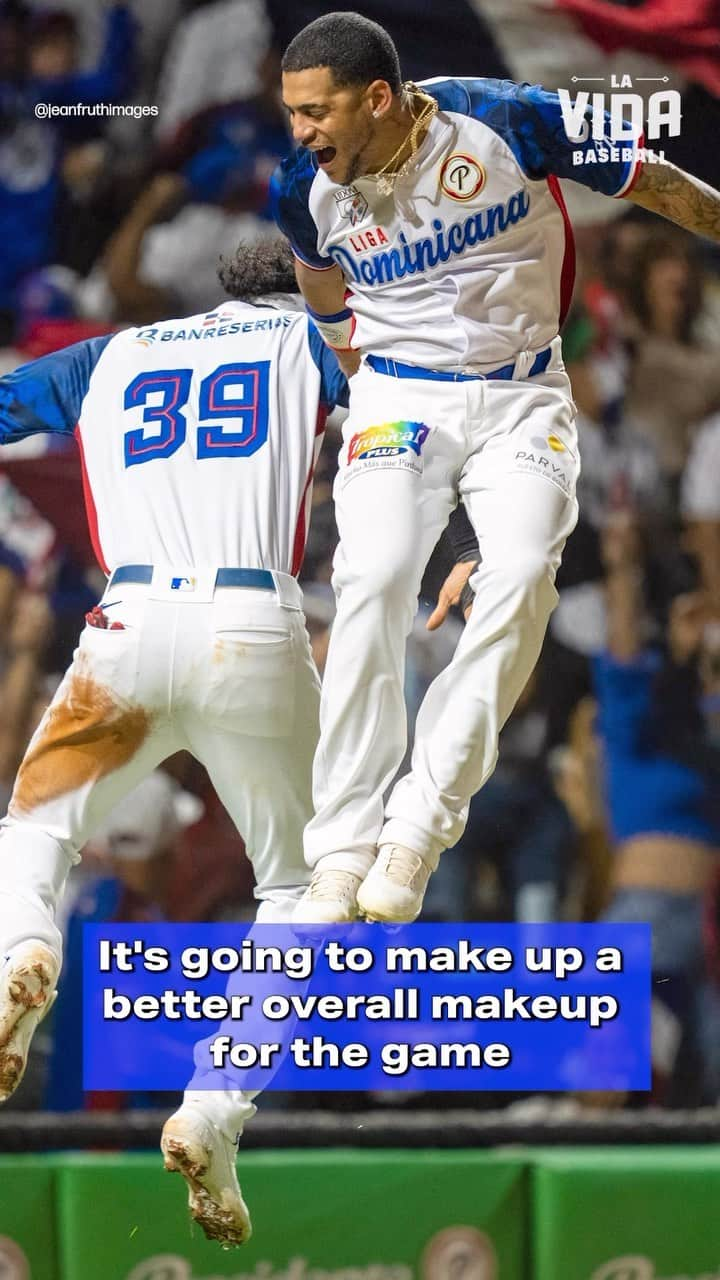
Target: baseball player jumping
432 240
198 438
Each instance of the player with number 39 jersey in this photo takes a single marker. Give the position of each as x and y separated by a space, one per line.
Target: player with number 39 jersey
199 438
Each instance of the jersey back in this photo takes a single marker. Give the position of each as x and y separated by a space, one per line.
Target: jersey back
198 436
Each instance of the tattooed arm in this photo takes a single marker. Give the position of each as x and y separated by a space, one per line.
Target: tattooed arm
663 188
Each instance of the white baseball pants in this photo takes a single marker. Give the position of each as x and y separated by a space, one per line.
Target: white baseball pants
226 674
510 449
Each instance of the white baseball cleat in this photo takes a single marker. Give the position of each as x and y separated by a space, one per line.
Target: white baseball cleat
28 975
195 1147
330 898
394 887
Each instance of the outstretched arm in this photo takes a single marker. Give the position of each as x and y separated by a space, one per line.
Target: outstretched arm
663 188
324 293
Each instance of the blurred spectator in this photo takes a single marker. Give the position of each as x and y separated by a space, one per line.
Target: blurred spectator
54 48
642 306
594 346
164 257
28 568
700 505
29 623
646 299
38 66
674 379
217 55
154 21
661 785
576 772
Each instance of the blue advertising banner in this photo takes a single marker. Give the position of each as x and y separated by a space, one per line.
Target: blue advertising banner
363 1007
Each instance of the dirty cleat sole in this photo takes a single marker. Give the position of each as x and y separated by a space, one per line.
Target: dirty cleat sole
193 1147
27 993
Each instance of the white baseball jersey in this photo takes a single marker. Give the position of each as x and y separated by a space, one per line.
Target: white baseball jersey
471 260
198 436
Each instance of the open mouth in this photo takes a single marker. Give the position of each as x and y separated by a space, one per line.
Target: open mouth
325 155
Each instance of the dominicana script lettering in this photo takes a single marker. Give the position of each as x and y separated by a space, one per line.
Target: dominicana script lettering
408 258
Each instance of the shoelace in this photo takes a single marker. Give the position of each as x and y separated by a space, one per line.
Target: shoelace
406 862
328 885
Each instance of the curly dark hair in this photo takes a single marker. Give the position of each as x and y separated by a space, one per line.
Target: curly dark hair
354 48
265 266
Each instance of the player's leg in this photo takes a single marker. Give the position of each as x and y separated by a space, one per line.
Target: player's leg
255 729
523 510
253 723
93 745
403 447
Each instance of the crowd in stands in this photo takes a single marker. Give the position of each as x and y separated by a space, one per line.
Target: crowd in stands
606 799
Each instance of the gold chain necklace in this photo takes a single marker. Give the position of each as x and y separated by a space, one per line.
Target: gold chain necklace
386 177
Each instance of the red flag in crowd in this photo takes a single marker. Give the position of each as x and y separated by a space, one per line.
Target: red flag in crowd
684 33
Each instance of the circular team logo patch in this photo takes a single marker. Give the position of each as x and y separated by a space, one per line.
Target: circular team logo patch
13 1263
459 1251
461 176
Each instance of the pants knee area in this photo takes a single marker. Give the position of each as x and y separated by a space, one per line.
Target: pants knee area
384 582
529 572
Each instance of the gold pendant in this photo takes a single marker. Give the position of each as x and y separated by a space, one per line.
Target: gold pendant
385 186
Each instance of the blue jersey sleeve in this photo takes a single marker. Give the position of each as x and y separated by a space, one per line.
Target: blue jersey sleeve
334 388
47 394
530 120
289 194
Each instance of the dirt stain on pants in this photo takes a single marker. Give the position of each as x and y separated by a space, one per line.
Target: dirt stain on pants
84 736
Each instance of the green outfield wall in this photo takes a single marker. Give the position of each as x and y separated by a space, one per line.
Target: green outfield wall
29 1243
649 1213
625 1213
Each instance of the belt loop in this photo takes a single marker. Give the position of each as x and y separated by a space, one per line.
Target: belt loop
523 365
278 589
280 592
287 591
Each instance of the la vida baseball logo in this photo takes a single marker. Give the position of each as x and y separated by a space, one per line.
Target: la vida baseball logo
462 176
611 120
